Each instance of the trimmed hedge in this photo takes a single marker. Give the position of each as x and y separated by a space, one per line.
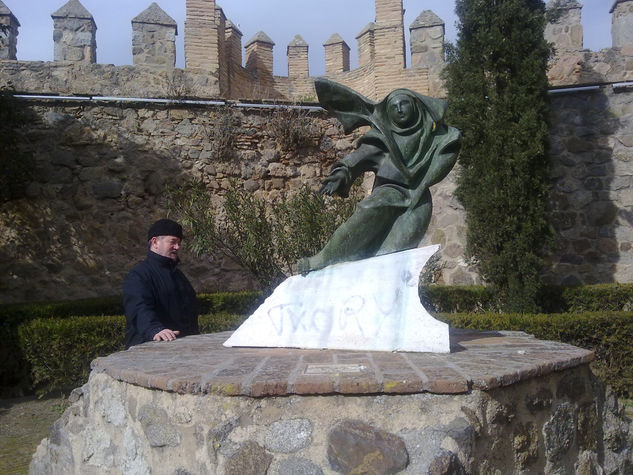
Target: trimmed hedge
55 353
60 351
608 334
15 373
553 299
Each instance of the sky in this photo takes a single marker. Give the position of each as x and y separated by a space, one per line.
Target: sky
281 20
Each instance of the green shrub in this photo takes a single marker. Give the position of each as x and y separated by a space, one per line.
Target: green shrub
608 334
553 298
220 322
59 350
266 239
589 298
453 299
14 370
230 302
497 93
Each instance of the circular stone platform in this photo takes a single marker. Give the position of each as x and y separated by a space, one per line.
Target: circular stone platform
501 402
201 365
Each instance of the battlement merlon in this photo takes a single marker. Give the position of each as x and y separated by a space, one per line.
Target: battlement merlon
621 23
9 34
74 34
154 38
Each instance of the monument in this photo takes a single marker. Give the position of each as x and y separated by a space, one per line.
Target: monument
361 291
376 385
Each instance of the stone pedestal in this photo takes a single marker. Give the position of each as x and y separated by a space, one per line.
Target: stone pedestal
498 403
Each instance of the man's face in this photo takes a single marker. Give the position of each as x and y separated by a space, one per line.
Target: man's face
166 246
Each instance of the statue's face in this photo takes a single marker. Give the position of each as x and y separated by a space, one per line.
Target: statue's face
401 110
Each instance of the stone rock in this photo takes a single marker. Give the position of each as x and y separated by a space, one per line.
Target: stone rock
107 189
588 464
111 407
134 461
158 430
371 304
356 447
97 450
289 436
560 431
539 401
446 463
250 459
298 466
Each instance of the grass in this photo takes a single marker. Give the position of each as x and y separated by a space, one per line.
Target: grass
24 422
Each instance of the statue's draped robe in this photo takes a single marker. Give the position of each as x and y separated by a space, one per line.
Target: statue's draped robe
406 162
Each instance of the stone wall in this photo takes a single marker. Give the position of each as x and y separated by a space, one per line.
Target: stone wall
102 170
559 423
100 180
592 186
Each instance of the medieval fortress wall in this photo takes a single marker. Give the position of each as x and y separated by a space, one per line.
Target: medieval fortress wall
103 162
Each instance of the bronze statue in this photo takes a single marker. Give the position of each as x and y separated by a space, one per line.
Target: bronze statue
409 148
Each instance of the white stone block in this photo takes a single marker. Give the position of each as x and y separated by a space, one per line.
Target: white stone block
370 305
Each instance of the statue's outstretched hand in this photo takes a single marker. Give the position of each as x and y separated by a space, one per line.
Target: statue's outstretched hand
333 183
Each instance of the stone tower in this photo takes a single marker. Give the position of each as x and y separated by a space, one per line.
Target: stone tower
566 31
427 40
336 55
202 42
9 37
259 57
366 45
74 34
154 38
622 23
389 44
298 66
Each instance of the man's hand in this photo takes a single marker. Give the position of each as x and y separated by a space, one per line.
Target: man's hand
166 335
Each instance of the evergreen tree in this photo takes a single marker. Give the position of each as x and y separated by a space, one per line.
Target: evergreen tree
496 78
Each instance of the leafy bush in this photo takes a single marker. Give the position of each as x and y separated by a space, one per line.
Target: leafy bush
608 334
471 299
60 350
496 78
553 298
220 322
229 302
267 239
15 370
291 127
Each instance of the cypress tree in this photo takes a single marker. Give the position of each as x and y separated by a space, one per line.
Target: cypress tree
496 78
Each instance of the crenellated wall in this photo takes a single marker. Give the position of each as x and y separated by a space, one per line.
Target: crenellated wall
213 48
113 160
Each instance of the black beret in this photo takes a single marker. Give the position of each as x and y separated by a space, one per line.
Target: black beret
165 227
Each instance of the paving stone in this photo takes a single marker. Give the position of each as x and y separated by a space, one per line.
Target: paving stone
480 360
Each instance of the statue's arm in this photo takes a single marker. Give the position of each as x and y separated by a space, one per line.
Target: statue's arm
365 158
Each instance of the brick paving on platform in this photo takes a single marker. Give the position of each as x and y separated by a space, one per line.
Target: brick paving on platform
200 364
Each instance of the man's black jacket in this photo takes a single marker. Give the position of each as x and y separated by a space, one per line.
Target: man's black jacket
157 295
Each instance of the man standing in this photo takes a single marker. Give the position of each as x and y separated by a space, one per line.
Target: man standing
160 303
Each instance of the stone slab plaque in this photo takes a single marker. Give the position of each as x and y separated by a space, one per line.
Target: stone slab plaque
371 304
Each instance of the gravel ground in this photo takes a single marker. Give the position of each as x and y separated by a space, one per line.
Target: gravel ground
24 422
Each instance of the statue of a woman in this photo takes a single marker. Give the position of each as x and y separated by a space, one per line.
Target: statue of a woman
409 148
